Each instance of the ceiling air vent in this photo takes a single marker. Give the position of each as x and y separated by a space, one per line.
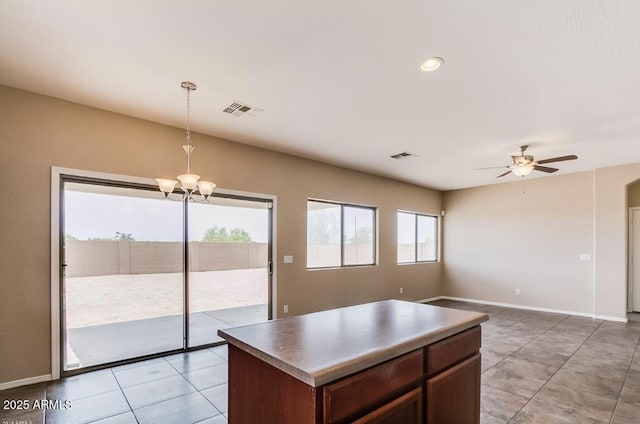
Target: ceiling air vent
240 109
402 155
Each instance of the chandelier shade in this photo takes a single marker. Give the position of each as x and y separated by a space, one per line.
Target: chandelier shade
166 186
189 181
206 188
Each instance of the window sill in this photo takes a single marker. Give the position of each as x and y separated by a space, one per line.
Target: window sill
417 263
342 267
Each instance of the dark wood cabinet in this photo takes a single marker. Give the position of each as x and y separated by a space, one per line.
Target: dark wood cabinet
453 396
406 409
450 351
453 379
446 374
388 362
355 395
261 393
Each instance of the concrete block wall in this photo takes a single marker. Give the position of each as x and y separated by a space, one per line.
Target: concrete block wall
84 258
112 257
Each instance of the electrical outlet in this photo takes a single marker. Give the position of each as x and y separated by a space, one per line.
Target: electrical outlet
401 290
517 291
285 309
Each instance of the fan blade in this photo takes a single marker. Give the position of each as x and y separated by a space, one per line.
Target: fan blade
506 173
545 169
558 159
491 167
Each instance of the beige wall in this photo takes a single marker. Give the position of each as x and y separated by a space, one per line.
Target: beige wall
37 132
525 235
540 235
633 195
611 224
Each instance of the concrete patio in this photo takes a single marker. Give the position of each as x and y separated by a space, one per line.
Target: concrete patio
116 317
100 344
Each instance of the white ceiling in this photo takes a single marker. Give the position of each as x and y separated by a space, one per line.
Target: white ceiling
339 81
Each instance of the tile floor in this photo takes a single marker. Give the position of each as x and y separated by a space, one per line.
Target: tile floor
550 368
536 368
184 388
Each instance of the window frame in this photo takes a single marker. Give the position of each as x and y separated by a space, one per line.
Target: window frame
58 176
374 234
416 215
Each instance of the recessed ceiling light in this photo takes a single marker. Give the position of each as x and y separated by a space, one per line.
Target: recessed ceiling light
431 63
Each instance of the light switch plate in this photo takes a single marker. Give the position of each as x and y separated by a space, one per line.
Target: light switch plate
288 259
585 257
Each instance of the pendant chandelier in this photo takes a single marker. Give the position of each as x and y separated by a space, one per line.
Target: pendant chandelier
190 183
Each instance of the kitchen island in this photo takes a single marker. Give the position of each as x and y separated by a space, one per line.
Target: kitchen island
383 362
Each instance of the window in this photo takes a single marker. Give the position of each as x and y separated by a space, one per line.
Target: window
340 235
417 238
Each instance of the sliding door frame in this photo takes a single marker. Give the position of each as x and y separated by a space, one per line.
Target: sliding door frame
252 197
58 177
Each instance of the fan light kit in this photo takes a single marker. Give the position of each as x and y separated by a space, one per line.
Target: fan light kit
430 64
523 164
189 182
522 170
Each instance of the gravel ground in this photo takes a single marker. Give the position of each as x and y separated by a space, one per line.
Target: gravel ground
117 298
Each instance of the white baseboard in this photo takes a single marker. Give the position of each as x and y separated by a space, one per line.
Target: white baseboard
431 299
529 308
608 318
25 381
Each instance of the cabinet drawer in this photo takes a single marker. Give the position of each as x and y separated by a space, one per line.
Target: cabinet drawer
359 393
452 350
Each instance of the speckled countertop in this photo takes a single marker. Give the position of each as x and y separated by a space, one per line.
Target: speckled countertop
321 347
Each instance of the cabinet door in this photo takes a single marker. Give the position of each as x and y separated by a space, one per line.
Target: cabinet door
453 396
406 409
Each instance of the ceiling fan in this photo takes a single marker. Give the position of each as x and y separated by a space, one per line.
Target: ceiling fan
524 164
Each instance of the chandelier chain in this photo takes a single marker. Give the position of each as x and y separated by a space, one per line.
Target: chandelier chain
189 147
188 115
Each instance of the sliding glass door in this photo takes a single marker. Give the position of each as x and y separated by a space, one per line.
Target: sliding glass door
228 265
123 286
143 275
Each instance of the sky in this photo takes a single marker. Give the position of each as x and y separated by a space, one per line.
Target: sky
91 215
